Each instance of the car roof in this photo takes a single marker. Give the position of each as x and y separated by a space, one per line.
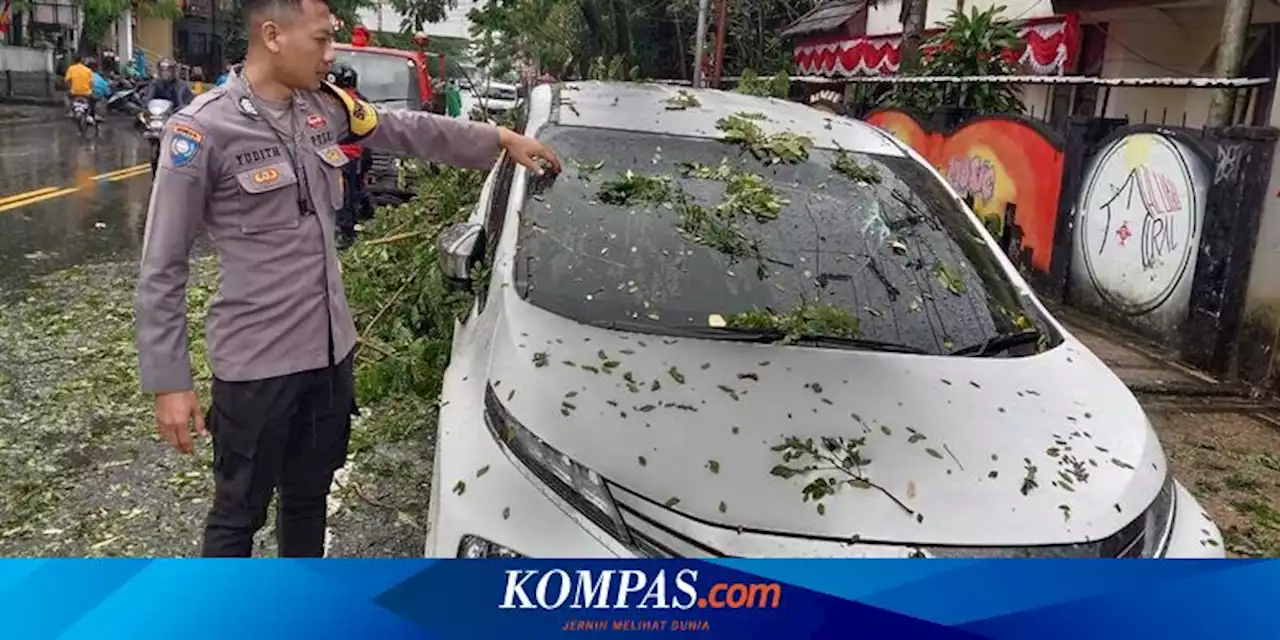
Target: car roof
643 107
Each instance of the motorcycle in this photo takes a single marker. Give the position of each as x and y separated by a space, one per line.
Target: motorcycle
151 122
81 115
125 98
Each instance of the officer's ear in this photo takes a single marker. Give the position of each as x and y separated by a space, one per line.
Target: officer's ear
271 33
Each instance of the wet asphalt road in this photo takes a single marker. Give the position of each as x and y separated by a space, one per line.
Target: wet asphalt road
66 200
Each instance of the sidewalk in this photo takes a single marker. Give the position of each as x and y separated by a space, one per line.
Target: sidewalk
1222 442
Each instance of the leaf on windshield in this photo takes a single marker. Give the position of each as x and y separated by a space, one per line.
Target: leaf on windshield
749 194
805 320
701 171
771 149
540 359
587 170
634 187
861 173
950 278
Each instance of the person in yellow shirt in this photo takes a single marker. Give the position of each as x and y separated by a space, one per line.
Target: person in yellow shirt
79 80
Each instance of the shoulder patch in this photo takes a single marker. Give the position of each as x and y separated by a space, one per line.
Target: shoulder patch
184 144
203 100
362 119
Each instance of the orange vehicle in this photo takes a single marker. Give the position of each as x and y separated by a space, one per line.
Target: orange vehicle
393 79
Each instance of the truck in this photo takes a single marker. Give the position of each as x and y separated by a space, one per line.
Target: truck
394 79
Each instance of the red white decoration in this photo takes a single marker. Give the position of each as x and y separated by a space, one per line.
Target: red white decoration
1050 46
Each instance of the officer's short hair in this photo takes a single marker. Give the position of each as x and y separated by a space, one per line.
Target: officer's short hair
251 11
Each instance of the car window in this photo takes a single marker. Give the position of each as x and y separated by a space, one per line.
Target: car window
382 78
898 254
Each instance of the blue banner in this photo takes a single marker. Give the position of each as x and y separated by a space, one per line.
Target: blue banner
474 599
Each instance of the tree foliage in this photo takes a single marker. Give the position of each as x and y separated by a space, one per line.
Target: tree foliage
99 15
629 38
970 44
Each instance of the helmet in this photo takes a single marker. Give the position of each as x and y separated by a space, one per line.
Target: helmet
166 68
343 75
91 62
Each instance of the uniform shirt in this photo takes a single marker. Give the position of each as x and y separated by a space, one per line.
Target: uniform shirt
280 306
79 80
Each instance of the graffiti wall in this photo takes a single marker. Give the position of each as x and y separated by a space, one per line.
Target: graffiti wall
1138 223
997 161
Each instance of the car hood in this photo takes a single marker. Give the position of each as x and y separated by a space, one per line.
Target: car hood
1046 449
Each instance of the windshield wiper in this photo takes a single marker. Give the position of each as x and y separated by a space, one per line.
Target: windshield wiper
761 336
998 343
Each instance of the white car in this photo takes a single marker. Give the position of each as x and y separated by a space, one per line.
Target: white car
495 97
630 384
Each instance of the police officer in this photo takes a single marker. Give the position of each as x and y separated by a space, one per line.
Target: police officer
257 163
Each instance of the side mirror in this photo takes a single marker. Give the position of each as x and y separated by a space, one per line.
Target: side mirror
460 245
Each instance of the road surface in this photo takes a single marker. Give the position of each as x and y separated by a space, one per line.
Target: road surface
66 201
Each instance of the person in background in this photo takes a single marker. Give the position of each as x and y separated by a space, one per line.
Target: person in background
168 86
101 91
453 99
227 70
79 79
345 77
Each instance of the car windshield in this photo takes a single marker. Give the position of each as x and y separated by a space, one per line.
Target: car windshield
872 240
501 93
382 78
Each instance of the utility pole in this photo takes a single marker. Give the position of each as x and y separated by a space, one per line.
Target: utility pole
700 44
1235 27
721 21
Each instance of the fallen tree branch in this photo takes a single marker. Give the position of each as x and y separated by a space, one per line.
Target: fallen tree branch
387 305
376 347
398 237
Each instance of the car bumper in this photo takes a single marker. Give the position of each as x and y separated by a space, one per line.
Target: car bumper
485 503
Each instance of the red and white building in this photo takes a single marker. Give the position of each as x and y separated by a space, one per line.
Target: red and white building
847 38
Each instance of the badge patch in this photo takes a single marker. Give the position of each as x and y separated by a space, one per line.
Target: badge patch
247 108
267 176
185 144
316 121
333 155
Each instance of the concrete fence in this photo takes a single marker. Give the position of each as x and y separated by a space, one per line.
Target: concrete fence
26 75
25 60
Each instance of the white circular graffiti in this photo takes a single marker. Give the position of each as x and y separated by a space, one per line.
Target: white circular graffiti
1138 220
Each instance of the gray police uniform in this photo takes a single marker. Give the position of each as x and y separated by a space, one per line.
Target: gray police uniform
265 181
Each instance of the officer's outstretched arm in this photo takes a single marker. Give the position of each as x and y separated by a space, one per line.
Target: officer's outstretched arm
178 197
418 134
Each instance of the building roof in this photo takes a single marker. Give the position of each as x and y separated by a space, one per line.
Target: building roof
825 17
629 106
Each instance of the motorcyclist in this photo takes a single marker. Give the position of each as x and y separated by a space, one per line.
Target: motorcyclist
79 79
168 86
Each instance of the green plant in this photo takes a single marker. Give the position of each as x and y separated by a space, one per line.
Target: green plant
774 148
775 86
848 167
805 320
972 44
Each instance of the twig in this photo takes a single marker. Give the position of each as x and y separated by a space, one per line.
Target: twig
387 305
373 345
398 237
872 484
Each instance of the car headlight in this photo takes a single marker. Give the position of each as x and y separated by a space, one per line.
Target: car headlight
477 547
576 484
1145 537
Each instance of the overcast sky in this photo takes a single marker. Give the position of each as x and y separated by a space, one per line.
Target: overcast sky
455 26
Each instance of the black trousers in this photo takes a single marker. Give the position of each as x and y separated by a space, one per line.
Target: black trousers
288 434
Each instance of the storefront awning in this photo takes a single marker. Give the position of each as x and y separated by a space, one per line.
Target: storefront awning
1049 48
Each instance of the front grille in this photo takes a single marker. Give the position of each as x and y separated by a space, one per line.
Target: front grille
382 164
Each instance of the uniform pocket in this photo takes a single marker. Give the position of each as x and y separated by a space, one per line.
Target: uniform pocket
335 163
270 198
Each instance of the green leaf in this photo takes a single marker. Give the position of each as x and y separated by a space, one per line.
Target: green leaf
783 471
